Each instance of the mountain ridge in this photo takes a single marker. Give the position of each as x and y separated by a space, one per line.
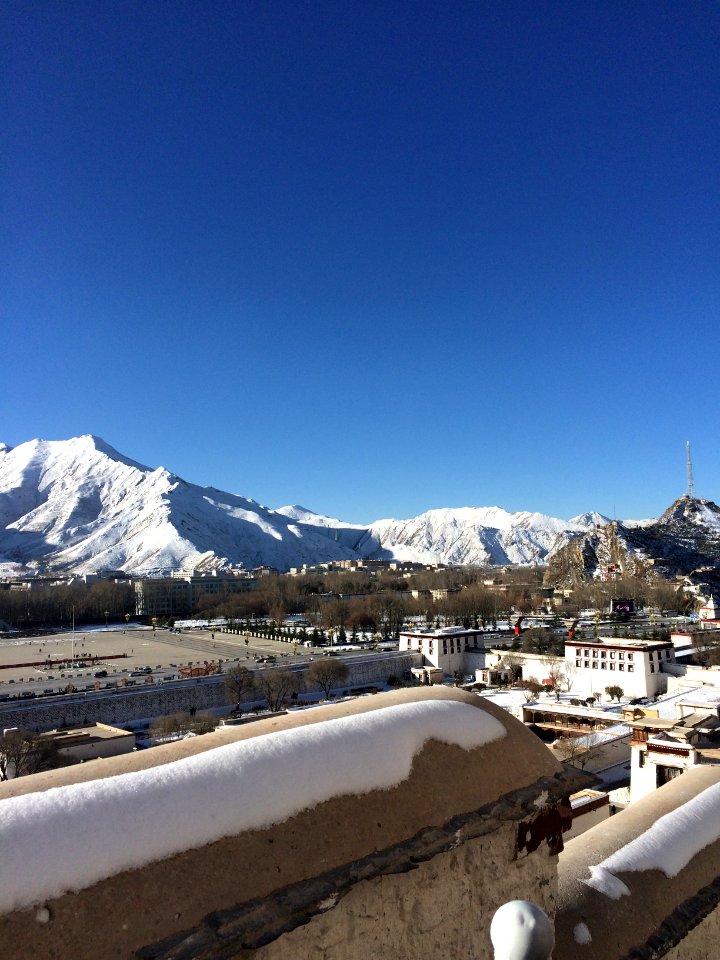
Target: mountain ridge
77 505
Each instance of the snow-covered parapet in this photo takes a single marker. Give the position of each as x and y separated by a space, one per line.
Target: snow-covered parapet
641 881
74 836
669 844
308 827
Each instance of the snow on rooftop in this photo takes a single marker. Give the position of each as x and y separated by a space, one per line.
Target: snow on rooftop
668 845
70 837
666 706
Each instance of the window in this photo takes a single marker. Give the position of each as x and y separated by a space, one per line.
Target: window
621 666
612 654
630 668
578 663
587 664
603 654
641 759
612 666
594 653
444 646
594 665
630 656
652 668
586 653
621 656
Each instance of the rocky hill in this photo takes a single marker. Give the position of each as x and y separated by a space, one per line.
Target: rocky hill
684 541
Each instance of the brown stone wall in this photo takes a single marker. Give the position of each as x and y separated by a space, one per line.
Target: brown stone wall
443 908
701 943
397 873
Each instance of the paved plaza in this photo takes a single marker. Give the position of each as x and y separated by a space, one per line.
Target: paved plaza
121 651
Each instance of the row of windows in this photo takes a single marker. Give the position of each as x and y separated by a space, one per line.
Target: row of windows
610 654
603 654
611 665
660 654
452 645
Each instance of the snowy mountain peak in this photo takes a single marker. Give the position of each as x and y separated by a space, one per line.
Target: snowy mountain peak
79 505
303 515
584 521
692 510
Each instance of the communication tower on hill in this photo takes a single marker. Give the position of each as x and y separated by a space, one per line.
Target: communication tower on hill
691 485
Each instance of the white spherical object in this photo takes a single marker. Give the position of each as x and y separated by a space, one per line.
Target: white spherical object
520 930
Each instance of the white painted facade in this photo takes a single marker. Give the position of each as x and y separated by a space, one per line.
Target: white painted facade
634 665
655 762
445 647
663 747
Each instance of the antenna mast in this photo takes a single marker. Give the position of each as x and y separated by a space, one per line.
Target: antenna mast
691 485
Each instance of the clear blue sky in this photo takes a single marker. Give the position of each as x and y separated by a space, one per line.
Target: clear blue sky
371 257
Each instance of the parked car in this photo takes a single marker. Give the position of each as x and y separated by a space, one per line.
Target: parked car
101 673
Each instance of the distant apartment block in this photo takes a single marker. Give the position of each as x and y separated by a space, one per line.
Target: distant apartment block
179 593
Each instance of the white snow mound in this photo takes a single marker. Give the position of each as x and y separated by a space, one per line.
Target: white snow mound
668 845
71 837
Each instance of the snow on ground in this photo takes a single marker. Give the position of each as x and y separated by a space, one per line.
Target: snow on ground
668 845
70 837
510 700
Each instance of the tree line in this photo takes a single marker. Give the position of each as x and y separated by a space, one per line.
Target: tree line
55 604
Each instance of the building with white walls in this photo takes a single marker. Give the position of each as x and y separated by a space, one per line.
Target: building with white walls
635 665
447 648
663 747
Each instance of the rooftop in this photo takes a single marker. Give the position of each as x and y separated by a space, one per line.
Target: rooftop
622 642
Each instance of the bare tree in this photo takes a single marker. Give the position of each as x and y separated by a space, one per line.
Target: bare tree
239 683
555 673
514 663
706 648
326 674
277 686
569 675
531 687
23 753
578 751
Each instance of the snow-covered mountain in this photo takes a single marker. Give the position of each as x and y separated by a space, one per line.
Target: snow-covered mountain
79 505
475 535
685 541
